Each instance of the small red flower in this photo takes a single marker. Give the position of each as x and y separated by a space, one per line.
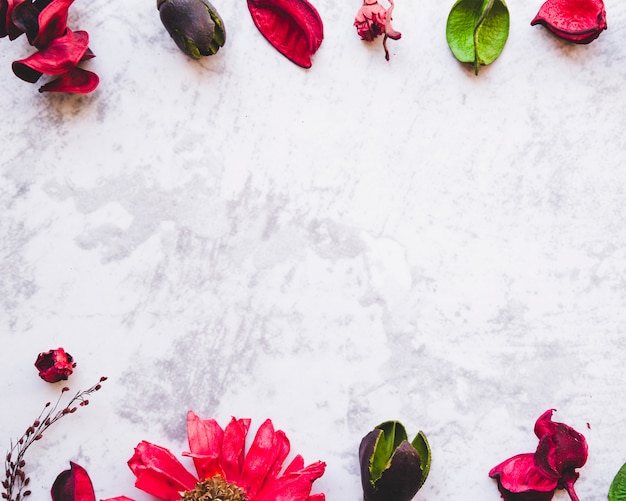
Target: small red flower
73 485
55 365
535 477
372 20
223 465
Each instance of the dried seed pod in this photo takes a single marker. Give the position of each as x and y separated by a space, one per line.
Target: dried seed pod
195 26
577 21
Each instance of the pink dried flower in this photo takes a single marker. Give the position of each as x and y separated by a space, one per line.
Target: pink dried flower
73 485
577 21
55 365
372 20
535 477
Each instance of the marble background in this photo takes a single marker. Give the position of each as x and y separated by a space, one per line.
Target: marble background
334 247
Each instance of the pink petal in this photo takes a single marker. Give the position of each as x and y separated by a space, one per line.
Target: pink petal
59 57
293 486
11 29
52 22
159 473
76 81
519 475
233 448
282 451
260 459
118 498
205 444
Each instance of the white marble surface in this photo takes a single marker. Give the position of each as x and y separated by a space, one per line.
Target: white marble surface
331 248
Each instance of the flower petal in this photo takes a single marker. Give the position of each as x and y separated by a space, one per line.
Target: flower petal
294 484
59 57
118 498
282 451
55 365
159 473
76 81
205 444
233 448
52 22
259 459
520 479
73 485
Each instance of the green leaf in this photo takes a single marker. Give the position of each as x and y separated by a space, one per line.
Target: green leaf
477 30
423 449
617 491
393 434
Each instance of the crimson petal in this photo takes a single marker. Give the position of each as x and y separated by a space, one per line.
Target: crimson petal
295 484
260 459
76 81
205 444
73 485
159 473
519 479
233 448
578 21
293 27
59 57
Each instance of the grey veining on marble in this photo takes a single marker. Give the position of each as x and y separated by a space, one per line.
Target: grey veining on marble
331 248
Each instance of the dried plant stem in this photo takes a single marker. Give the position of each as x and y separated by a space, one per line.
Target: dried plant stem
16 480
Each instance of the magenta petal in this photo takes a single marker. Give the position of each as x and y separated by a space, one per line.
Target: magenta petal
233 448
11 29
73 485
205 445
520 479
76 81
59 57
52 22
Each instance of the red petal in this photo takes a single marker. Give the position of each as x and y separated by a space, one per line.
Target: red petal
293 486
282 451
233 448
76 81
159 473
317 497
293 27
519 475
52 22
205 444
73 485
118 498
12 30
59 57
259 459
579 21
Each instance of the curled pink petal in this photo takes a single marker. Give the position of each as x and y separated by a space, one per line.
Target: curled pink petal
75 81
59 57
578 21
520 479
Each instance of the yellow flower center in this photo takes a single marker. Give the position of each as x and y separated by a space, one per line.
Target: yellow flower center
215 489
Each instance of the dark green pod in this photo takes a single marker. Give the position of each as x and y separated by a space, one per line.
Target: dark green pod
195 26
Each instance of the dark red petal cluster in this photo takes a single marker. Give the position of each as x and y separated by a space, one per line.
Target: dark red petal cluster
59 49
535 476
293 27
216 451
73 485
55 365
578 21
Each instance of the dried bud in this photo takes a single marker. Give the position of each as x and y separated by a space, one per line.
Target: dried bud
195 26
55 365
73 485
392 468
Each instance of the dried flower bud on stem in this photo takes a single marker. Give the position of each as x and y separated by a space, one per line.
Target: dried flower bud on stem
16 480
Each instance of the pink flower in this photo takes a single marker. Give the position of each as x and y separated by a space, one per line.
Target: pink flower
370 20
222 465
535 477
73 485
55 365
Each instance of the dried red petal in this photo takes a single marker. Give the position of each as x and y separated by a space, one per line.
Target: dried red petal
159 473
73 485
578 21
561 449
59 57
55 365
519 479
205 445
293 27
9 27
76 81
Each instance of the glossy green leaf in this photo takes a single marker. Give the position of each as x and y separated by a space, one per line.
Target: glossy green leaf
423 449
617 491
393 434
477 30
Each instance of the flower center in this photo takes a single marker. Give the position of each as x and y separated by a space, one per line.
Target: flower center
215 489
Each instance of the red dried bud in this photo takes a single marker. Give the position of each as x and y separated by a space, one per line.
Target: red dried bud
73 485
578 21
370 20
55 365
